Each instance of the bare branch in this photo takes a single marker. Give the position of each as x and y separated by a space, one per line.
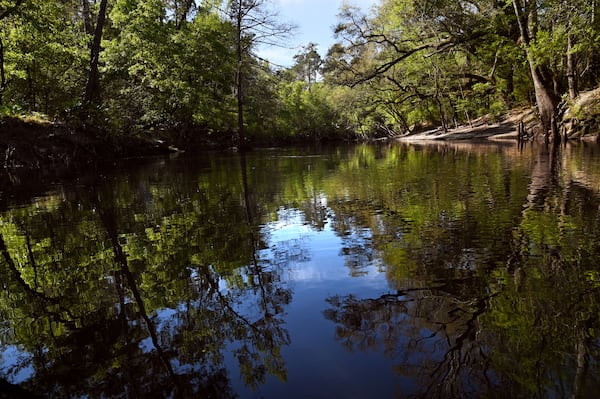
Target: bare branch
386 66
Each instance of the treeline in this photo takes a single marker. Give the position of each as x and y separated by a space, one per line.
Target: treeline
190 68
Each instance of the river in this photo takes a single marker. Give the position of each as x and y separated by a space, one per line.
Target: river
368 271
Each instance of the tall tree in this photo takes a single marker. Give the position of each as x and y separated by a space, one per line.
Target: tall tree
308 64
255 24
526 12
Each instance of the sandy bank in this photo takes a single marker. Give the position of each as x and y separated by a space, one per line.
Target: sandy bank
481 129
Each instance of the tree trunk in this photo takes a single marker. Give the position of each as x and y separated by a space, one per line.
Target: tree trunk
239 77
87 17
30 91
571 62
92 90
182 13
545 98
2 74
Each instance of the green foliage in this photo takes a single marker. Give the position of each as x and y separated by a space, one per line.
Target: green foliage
180 72
446 63
172 66
306 110
44 56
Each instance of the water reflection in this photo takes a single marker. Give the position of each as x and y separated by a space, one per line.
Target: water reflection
435 271
125 286
487 292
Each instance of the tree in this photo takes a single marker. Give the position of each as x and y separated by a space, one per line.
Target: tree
5 12
443 63
546 99
308 64
560 40
163 73
44 55
254 24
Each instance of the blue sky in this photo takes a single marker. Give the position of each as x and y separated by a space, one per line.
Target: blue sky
314 19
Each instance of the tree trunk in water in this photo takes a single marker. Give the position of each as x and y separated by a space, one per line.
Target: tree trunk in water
92 90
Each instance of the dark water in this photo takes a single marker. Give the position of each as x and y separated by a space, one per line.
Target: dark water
363 272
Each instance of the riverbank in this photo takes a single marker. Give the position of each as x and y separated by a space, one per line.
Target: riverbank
481 129
506 128
580 120
35 143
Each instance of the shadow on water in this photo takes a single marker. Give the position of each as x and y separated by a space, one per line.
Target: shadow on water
447 270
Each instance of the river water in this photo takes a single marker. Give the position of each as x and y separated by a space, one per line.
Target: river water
368 271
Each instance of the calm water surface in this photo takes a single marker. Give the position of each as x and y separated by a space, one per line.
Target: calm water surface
362 272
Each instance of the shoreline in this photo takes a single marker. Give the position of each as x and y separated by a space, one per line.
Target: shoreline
497 131
480 129
34 145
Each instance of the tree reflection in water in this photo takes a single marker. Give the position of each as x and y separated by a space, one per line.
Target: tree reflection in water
433 336
129 293
475 271
465 322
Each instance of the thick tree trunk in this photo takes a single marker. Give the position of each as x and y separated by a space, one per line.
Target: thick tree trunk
545 98
92 90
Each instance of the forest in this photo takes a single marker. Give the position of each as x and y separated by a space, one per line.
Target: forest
188 72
